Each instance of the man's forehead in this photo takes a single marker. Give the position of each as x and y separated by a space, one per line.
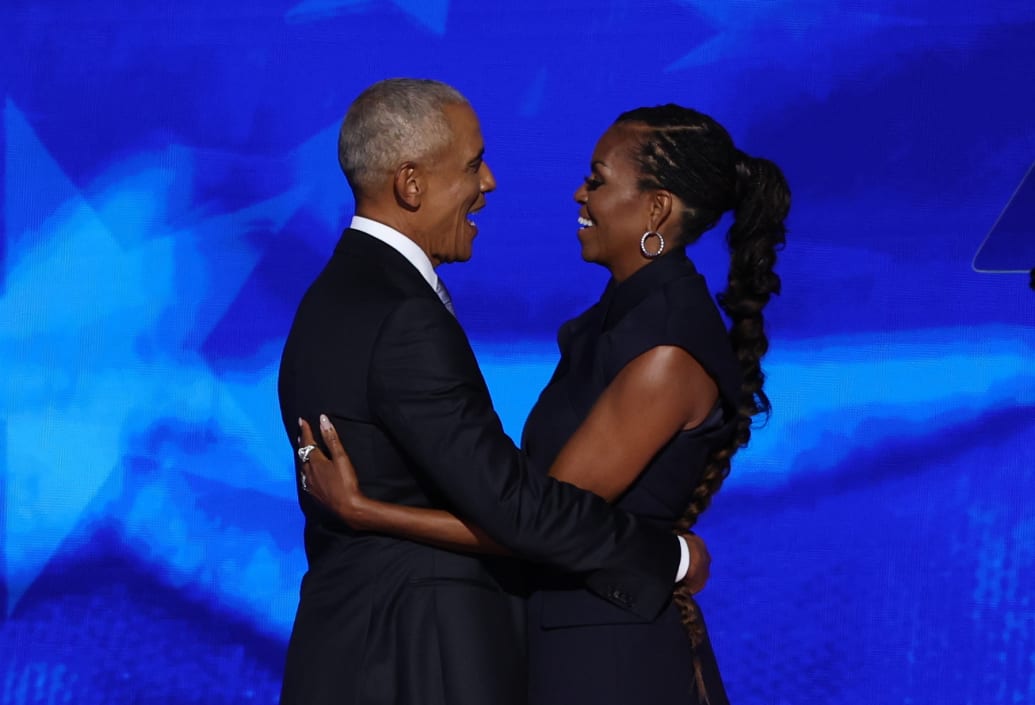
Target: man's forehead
467 134
461 117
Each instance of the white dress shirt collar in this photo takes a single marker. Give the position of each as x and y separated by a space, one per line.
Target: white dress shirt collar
401 244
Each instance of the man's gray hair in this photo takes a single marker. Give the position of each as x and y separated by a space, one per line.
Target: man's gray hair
393 121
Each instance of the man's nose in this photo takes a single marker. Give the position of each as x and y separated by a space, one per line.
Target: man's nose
488 179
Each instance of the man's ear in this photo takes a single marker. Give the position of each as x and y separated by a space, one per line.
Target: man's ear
408 185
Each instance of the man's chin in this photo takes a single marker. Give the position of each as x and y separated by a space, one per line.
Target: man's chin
455 257
465 245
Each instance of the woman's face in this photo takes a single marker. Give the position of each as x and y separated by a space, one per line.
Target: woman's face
614 212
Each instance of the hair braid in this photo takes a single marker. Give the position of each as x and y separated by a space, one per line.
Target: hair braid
691 155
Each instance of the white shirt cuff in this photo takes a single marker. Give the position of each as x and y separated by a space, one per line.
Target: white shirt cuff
684 559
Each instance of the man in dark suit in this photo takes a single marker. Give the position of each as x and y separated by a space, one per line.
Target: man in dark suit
373 345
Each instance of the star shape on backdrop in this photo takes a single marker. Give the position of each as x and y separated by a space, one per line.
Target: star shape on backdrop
747 29
430 14
103 288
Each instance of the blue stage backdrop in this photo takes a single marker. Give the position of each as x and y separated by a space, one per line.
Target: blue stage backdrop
170 187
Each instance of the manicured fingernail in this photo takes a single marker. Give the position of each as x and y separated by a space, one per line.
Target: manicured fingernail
325 423
300 421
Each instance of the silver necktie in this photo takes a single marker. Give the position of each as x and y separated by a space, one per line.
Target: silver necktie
443 295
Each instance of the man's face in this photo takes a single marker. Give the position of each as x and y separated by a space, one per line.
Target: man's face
457 178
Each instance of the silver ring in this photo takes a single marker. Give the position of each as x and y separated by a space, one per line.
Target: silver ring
305 451
305 482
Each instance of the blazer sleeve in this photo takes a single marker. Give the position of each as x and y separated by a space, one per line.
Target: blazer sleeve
427 391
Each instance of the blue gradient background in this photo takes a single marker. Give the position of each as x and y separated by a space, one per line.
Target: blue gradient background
170 187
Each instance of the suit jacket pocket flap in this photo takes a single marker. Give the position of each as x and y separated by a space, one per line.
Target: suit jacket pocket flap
579 608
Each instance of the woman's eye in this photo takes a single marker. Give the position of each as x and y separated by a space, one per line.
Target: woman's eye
593 183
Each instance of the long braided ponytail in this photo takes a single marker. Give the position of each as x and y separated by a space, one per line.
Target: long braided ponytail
691 155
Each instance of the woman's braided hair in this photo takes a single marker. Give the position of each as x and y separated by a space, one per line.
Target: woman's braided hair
691 155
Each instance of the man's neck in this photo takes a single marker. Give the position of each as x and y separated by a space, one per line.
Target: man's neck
400 243
395 220
381 215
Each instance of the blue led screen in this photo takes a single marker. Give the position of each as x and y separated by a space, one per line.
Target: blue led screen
170 187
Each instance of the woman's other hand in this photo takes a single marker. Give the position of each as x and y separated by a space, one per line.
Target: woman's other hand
700 563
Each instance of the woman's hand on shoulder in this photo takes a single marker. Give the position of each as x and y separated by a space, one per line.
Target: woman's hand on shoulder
331 481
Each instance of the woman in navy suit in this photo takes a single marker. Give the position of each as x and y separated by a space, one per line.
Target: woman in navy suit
651 398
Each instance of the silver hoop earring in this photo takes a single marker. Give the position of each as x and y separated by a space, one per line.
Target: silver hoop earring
643 244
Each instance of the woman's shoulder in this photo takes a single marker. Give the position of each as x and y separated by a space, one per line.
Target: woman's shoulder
682 314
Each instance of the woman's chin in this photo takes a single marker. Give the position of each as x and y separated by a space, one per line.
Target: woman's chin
586 247
591 257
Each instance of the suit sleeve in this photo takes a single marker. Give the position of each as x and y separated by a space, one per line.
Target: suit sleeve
428 393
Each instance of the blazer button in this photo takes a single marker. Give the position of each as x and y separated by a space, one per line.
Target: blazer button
619 596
